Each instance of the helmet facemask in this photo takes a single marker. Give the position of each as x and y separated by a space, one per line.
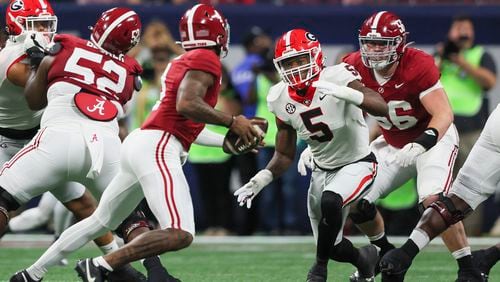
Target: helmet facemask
379 52
46 23
297 68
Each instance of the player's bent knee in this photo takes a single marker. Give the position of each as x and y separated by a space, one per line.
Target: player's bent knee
365 211
331 204
7 203
448 211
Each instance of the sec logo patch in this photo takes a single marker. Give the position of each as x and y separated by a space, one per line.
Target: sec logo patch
290 108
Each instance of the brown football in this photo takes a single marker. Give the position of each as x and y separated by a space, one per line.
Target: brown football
232 144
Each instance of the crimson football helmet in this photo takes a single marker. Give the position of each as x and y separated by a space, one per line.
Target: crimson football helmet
30 15
204 26
117 30
382 40
298 58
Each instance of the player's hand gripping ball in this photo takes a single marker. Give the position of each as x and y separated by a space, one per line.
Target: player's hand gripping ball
233 143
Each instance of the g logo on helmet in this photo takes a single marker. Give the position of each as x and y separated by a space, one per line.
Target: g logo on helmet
17 5
311 37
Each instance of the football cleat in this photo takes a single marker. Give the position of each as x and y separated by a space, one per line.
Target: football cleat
89 272
394 265
160 274
470 275
317 273
368 259
126 273
22 276
484 260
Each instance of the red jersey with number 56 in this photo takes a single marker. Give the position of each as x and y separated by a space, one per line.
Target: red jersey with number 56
81 63
164 115
415 76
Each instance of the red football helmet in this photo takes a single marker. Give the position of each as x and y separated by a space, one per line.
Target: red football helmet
382 40
203 26
298 58
30 15
117 30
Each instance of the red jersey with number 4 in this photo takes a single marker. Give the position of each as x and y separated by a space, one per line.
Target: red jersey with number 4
164 115
97 72
407 117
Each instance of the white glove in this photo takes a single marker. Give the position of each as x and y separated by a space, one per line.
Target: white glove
305 161
345 93
30 37
408 154
246 193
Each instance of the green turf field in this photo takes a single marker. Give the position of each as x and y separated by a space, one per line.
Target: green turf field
243 262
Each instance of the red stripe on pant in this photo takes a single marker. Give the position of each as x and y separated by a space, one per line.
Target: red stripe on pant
23 151
359 190
451 164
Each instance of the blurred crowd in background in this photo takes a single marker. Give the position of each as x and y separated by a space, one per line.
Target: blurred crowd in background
282 209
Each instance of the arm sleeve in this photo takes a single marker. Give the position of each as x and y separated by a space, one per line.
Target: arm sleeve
428 73
204 60
209 138
488 63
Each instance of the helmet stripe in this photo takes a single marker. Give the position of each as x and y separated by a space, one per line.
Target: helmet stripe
376 20
43 4
287 40
113 25
190 17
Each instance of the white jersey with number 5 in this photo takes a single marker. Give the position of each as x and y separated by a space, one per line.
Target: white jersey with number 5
334 129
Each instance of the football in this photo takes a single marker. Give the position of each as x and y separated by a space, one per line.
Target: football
233 145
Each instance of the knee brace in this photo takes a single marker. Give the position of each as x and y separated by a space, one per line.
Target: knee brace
331 206
366 211
135 220
7 203
447 210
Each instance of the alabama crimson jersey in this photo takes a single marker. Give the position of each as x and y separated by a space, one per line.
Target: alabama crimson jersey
79 62
407 117
334 129
164 115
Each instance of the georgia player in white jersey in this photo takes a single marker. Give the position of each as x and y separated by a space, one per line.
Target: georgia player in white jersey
323 106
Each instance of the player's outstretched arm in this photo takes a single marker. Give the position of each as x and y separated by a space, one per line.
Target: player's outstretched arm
372 103
283 156
35 91
190 104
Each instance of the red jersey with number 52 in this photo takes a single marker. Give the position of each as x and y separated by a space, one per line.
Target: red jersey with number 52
407 117
164 115
97 72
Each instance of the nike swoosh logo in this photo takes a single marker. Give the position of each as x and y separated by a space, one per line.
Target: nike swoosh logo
89 277
399 85
322 97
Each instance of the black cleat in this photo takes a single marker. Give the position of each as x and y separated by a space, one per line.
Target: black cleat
126 273
22 276
484 260
394 265
368 259
317 273
160 274
88 272
470 275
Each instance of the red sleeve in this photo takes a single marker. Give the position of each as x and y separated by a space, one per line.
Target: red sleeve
134 66
204 60
428 73
348 59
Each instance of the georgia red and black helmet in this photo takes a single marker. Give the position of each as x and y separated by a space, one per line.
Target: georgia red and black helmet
117 30
204 26
298 58
30 15
382 39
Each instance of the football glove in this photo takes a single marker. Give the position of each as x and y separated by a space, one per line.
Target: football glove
246 193
305 161
408 154
345 93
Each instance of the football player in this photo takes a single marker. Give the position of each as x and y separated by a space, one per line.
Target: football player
418 136
84 85
324 107
478 179
152 156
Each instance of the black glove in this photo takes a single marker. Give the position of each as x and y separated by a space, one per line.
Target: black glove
35 55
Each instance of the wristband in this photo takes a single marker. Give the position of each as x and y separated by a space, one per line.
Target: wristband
428 138
231 122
